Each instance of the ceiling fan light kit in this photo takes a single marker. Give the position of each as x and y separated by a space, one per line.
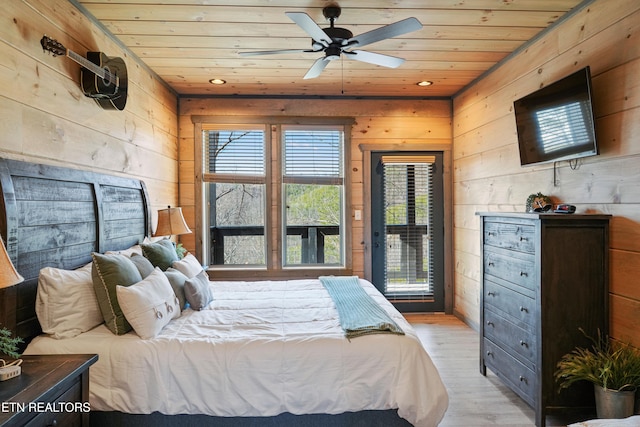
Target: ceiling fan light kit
335 41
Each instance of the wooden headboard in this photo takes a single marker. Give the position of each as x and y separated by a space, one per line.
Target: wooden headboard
55 216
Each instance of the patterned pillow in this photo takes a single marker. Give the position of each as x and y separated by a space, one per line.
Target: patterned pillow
149 304
108 272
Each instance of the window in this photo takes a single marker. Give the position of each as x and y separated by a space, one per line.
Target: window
274 195
235 173
313 186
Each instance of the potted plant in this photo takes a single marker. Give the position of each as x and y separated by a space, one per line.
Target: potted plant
9 345
614 369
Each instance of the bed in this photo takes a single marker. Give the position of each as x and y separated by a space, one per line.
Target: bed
261 353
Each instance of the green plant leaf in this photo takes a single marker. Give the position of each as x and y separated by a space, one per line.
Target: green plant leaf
610 364
8 344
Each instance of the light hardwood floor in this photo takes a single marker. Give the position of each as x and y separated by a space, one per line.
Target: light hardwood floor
474 400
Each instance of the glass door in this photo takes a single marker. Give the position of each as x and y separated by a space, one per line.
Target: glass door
407 229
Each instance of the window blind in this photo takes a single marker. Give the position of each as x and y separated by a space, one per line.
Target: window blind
313 153
236 152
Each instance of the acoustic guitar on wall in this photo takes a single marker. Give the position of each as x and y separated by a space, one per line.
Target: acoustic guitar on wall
101 77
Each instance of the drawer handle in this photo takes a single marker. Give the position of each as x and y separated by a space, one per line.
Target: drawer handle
489 353
523 379
523 273
524 309
524 343
491 233
54 423
489 323
523 239
491 264
491 294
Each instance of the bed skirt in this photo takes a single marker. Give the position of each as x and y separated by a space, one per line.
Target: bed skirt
388 418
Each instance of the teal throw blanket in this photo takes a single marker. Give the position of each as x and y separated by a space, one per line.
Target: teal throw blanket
359 313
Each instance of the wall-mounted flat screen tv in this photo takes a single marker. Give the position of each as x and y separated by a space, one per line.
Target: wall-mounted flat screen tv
556 122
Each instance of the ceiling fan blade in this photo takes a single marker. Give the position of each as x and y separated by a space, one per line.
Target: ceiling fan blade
374 58
275 52
388 31
316 68
305 22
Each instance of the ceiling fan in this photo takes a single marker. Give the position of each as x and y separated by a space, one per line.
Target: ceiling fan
334 41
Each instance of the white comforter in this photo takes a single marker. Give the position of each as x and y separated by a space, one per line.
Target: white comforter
260 349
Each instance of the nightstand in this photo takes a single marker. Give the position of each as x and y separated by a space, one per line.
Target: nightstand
53 390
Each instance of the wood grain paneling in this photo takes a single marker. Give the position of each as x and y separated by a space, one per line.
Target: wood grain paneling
47 118
417 124
487 172
187 42
624 279
625 319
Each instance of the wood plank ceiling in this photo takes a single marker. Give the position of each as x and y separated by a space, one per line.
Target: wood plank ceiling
189 42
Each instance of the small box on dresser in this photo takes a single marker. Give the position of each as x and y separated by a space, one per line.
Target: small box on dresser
544 276
53 390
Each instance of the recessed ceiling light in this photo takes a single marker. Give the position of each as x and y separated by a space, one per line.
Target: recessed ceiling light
425 83
217 81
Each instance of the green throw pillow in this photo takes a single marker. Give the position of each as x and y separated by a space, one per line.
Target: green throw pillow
107 272
161 253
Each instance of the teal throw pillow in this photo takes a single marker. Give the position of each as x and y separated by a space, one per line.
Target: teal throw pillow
161 253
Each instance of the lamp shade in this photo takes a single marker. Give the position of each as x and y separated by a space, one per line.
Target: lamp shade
171 222
8 274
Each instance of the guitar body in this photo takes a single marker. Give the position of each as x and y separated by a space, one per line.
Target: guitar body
108 93
101 77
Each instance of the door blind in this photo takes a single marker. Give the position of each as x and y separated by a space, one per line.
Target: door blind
407 227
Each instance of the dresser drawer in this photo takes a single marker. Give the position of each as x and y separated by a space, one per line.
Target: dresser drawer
65 410
519 307
518 269
513 339
517 237
520 379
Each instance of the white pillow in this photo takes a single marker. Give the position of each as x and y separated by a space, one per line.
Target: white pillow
189 266
66 303
149 304
135 249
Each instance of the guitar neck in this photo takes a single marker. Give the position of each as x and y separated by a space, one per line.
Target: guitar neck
98 71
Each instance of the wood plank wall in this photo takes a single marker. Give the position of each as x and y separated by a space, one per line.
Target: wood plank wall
487 174
45 117
420 123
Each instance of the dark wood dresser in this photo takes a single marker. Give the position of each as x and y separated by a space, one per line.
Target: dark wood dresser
544 276
52 390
